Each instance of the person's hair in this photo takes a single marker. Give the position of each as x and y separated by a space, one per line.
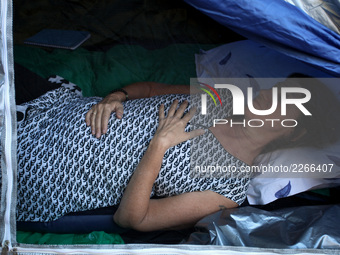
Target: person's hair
322 127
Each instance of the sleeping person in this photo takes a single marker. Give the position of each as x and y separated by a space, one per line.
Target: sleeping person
136 153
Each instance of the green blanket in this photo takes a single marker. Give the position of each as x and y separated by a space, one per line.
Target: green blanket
97 73
96 237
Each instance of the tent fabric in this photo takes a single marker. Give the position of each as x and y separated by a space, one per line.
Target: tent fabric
327 12
150 23
274 23
279 25
7 127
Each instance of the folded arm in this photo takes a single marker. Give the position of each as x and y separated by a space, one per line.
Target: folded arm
98 116
138 211
150 89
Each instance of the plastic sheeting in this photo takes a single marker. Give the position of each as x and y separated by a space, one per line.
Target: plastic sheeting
279 25
292 228
327 12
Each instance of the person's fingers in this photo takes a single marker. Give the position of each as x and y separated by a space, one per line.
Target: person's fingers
93 122
98 122
88 116
181 109
188 116
104 121
172 109
98 116
161 112
118 108
119 111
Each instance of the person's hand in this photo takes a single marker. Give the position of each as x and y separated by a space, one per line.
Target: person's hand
98 116
171 129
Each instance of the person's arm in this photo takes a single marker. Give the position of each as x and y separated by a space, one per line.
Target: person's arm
98 116
138 211
150 89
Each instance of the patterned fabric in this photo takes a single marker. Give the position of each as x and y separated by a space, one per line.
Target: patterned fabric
62 168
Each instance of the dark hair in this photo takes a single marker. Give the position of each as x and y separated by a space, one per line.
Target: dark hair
322 127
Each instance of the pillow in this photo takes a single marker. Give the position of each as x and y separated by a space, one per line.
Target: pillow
249 59
310 168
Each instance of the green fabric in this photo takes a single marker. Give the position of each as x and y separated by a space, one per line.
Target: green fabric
324 192
97 237
97 73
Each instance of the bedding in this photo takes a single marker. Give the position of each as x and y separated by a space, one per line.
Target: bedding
247 59
97 73
95 237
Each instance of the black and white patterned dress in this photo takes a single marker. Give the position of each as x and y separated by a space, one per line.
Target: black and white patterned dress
63 168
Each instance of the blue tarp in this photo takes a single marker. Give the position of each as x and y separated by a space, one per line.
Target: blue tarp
278 25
